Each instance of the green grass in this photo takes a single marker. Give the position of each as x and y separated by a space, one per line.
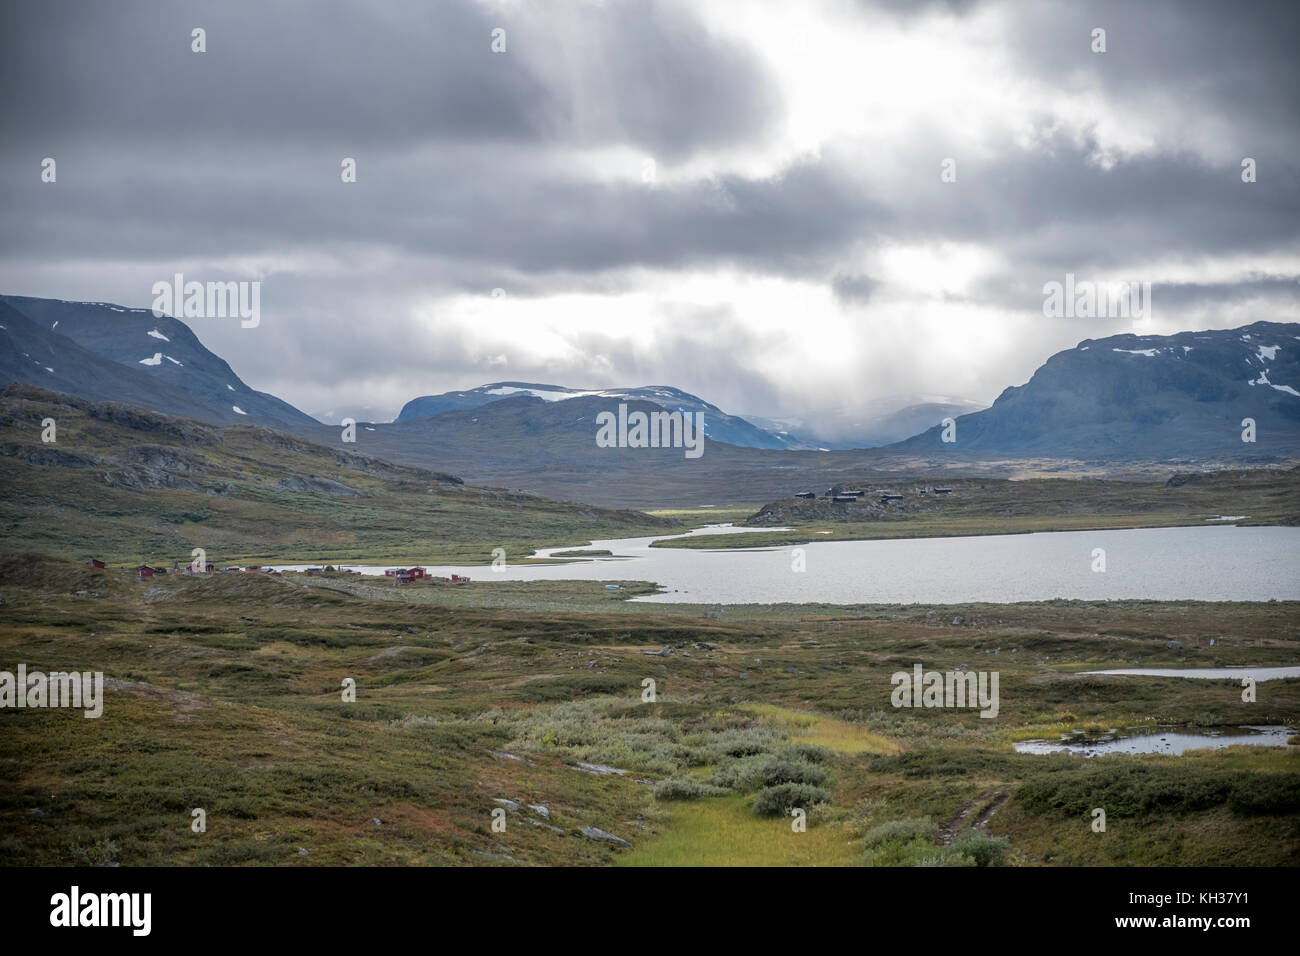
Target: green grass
723 831
838 735
230 701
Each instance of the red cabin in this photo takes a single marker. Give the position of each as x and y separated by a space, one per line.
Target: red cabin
144 571
96 563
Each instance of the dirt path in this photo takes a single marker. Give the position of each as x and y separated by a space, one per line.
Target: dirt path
992 801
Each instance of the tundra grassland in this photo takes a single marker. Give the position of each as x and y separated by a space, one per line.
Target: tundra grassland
224 693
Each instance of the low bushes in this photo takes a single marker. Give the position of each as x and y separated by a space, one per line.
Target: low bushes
911 842
678 789
900 831
781 799
1127 789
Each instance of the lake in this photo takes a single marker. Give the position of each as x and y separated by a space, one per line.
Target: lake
1257 674
1163 742
1212 563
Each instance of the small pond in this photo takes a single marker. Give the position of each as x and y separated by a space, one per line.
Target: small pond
1160 742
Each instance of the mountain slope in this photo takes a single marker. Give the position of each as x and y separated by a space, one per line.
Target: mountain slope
1129 397
718 425
31 353
123 484
164 349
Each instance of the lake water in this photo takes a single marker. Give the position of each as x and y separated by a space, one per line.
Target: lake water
1213 563
1169 742
1257 674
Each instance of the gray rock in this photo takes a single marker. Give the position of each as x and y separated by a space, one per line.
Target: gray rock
597 768
508 804
956 620
497 857
602 836
1174 645
541 810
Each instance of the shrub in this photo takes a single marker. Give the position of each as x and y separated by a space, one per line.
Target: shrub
737 774
901 831
677 789
777 770
744 742
765 770
1130 789
1273 793
918 852
779 800
808 753
981 847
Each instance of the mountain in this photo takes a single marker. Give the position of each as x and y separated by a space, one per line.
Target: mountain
718 425
1125 404
125 485
879 422
31 353
162 350
1133 397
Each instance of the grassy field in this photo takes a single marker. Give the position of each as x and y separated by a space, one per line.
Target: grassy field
225 694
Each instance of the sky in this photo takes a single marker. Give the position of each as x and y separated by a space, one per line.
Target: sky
785 208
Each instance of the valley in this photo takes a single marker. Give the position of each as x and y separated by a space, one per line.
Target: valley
595 710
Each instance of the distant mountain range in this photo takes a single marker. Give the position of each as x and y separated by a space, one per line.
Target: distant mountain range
880 422
1130 397
877 423
1122 399
718 425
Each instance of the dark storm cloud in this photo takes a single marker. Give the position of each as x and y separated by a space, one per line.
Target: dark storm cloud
520 170
1282 290
352 76
1053 212
1232 61
226 152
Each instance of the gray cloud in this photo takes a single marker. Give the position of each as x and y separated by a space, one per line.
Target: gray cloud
520 170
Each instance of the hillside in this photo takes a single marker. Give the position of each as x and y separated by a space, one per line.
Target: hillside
1141 397
162 350
125 485
31 353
